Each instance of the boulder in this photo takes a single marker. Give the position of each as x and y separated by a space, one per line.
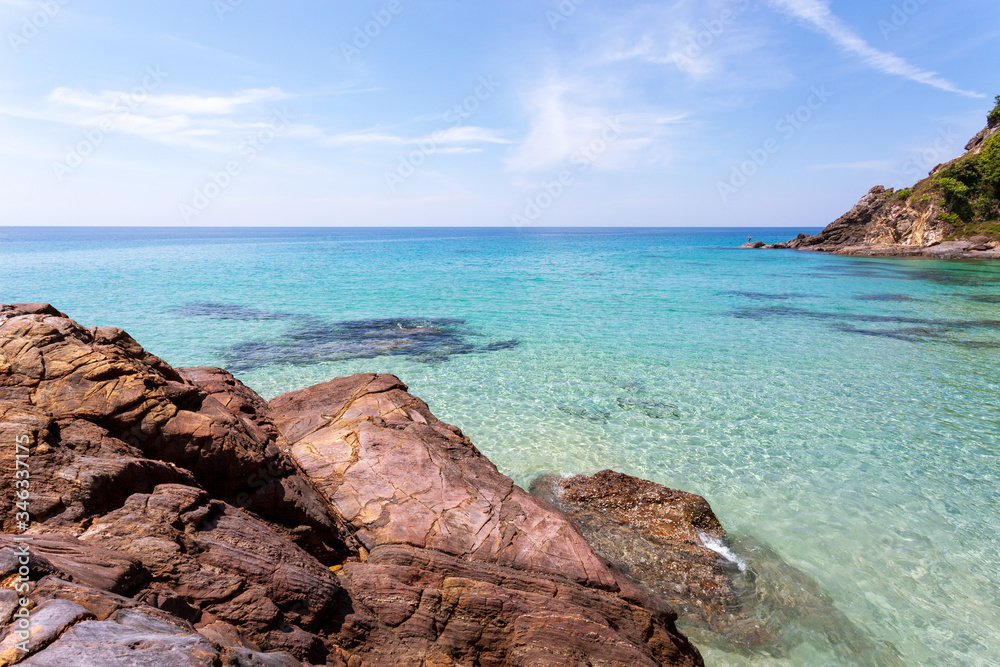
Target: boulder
179 519
736 594
668 541
106 419
400 476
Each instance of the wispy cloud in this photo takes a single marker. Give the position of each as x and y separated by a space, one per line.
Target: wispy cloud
716 42
669 35
455 138
214 122
864 165
817 13
109 101
566 115
204 121
471 134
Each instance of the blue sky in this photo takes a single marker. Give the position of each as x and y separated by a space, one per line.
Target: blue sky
521 112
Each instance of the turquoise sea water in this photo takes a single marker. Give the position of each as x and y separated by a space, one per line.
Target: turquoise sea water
843 411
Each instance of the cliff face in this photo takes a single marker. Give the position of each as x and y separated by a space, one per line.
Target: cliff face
953 213
173 517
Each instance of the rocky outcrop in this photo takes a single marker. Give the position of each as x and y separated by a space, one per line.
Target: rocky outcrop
920 221
663 539
400 476
176 518
732 593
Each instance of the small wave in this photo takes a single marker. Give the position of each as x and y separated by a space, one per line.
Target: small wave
718 547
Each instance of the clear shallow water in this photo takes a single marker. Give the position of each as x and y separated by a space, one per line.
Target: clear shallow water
843 411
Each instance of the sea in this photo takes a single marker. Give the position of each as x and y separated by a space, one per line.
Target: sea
840 414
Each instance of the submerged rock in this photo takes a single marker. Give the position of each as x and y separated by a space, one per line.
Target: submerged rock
179 519
310 339
669 541
734 594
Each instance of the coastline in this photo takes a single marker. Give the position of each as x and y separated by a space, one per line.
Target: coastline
950 214
966 250
344 524
698 414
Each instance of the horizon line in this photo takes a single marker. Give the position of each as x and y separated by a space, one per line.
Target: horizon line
493 227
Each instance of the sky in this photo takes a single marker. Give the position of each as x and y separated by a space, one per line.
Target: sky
481 113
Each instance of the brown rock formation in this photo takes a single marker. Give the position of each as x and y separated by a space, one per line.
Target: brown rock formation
661 538
178 519
915 222
400 476
671 544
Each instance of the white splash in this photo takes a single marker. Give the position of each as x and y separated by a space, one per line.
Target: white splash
718 547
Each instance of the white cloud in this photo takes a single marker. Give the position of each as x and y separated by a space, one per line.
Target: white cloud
374 137
817 13
706 40
566 116
216 122
349 139
109 101
205 121
864 165
471 134
215 105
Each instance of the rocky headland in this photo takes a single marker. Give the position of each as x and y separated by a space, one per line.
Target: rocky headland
172 517
954 213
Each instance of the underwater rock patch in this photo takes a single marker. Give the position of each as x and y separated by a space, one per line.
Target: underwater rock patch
985 298
638 401
902 334
312 340
885 297
922 329
428 341
651 408
229 311
958 278
596 415
761 296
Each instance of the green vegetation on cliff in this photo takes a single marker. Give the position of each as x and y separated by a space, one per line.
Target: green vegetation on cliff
971 188
994 118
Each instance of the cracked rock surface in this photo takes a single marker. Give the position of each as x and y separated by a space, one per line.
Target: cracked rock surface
179 519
